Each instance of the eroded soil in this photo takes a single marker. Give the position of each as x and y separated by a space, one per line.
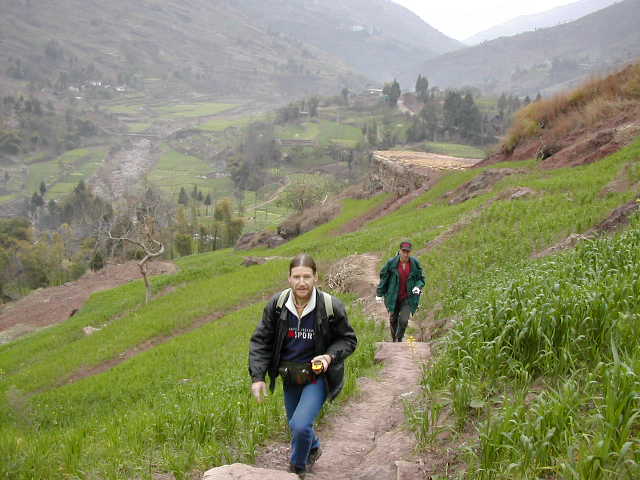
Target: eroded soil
49 306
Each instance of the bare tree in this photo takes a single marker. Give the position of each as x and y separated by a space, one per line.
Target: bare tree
139 228
142 237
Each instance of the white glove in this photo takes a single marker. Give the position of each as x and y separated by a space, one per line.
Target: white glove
325 359
379 300
416 291
259 390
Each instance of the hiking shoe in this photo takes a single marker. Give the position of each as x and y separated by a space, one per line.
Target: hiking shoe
314 455
300 471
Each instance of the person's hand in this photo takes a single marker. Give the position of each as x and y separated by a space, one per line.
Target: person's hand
379 300
416 291
259 390
324 359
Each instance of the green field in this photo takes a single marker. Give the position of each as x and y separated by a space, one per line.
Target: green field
135 109
322 132
543 361
220 124
454 150
174 170
203 109
62 174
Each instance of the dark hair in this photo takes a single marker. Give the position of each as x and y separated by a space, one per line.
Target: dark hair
302 260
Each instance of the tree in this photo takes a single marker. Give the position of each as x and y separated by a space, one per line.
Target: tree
392 92
223 210
36 200
345 95
207 202
139 229
183 199
43 188
372 133
97 261
422 88
301 196
313 106
470 120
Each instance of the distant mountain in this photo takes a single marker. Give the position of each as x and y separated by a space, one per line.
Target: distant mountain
225 47
378 38
545 60
549 18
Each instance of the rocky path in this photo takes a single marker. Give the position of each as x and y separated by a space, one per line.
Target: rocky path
368 437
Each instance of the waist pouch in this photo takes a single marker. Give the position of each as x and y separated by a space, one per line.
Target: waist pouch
294 373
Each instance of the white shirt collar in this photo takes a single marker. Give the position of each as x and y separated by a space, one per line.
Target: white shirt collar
309 308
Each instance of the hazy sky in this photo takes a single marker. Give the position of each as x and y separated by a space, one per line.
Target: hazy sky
460 19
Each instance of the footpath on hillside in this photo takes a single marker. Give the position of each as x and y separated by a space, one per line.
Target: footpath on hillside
368 438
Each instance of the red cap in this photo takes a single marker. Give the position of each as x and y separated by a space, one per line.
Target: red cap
405 245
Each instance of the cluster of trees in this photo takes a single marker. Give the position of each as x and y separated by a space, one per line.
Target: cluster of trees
81 209
391 92
381 134
196 235
196 196
40 127
507 106
295 110
30 259
256 153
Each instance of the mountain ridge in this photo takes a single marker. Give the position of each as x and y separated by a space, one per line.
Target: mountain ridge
265 48
545 19
545 60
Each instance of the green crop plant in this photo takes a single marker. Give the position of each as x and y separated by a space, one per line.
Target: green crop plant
558 320
182 405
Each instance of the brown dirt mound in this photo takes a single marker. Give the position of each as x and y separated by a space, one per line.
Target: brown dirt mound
48 306
580 147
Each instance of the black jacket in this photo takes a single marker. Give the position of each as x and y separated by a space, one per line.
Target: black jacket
333 335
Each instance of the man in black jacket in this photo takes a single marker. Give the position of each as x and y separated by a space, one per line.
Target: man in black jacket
304 336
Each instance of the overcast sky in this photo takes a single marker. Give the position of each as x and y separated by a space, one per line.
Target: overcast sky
460 19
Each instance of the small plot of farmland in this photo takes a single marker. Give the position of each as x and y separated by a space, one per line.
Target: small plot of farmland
174 170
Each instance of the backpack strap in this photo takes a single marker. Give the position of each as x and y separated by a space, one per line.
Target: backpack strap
281 299
328 304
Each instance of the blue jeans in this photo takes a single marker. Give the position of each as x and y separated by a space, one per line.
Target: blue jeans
303 404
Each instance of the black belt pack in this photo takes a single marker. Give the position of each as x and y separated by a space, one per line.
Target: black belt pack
294 373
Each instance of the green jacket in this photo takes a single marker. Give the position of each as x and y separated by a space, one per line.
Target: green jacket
389 285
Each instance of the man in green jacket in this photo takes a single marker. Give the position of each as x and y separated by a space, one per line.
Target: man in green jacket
401 284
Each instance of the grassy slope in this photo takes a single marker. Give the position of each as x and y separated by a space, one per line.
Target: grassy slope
143 416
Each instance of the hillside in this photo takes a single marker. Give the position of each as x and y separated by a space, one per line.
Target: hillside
535 362
549 18
259 49
545 60
378 38
162 46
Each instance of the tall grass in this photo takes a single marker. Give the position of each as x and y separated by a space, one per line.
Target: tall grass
567 322
595 100
181 406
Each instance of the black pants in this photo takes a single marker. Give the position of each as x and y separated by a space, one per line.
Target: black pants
399 319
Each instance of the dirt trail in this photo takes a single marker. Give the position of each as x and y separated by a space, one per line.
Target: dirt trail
368 438
275 195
